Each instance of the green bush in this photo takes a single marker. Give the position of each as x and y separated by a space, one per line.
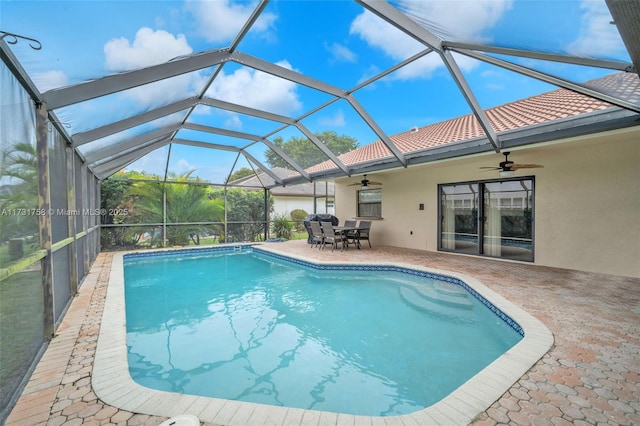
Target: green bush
282 227
298 216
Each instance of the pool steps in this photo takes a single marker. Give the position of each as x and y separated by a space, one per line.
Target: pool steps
435 307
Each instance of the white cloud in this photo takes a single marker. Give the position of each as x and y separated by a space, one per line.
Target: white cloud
233 121
377 33
597 37
148 48
50 80
256 89
182 166
341 53
395 44
460 20
220 21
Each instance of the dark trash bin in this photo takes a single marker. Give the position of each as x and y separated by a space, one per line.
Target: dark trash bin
322 217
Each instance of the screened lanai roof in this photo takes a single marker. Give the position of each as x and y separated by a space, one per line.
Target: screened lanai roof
168 87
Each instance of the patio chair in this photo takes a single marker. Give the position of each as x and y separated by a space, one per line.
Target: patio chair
350 236
365 227
317 237
330 236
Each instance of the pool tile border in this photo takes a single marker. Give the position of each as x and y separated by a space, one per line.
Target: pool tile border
410 271
113 384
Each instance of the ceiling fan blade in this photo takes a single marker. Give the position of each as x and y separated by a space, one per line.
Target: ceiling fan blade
525 166
355 184
374 183
490 168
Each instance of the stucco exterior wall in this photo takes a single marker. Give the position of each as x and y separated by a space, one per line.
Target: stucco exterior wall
587 201
285 205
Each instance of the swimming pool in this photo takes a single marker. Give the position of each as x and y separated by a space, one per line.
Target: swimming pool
250 326
113 384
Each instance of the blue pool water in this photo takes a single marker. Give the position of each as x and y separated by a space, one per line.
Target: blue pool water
251 326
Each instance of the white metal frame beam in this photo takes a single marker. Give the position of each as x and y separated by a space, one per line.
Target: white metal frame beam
317 142
99 154
65 96
410 27
477 110
248 136
223 132
286 158
240 109
543 56
286 73
556 81
378 130
119 160
119 126
393 16
232 149
280 119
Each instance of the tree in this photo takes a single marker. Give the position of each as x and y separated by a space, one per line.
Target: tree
306 153
19 169
186 201
114 197
240 173
245 213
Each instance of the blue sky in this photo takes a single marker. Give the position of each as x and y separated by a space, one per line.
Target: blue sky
334 41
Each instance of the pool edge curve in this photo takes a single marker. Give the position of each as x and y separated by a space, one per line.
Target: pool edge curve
113 384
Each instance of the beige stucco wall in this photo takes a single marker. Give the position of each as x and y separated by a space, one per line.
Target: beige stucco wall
587 205
285 205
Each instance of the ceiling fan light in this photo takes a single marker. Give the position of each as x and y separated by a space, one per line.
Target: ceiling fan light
506 173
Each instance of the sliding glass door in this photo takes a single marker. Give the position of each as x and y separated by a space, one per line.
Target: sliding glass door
459 224
490 218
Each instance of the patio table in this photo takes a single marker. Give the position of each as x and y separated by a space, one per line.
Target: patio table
346 229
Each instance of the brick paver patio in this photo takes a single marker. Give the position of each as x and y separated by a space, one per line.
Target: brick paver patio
590 376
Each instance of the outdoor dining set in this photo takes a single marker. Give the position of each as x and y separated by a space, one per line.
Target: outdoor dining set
322 233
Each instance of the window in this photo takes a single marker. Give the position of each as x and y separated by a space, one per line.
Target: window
370 203
489 218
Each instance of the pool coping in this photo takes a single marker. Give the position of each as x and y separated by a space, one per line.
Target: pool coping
113 384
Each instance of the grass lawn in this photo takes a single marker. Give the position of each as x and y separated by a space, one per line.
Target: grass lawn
5 258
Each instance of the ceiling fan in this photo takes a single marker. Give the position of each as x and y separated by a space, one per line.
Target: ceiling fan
364 183
507 167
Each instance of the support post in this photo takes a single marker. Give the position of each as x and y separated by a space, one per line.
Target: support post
266 214
226 225
44 220
86 255
164 214
71 220
315 199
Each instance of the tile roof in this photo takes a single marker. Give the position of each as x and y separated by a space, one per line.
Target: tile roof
546 107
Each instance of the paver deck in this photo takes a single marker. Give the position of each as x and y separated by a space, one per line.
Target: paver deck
590 376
